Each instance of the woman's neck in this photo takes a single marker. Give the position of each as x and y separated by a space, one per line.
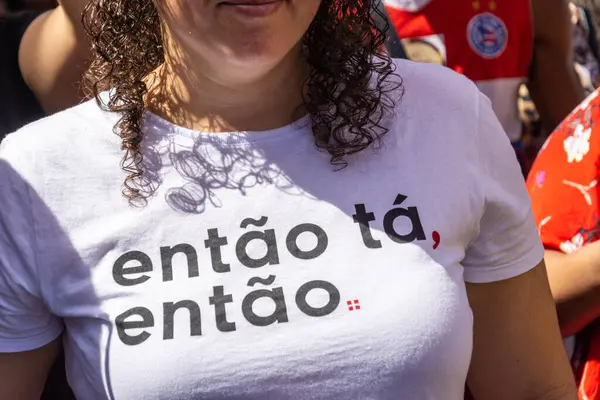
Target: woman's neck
195 101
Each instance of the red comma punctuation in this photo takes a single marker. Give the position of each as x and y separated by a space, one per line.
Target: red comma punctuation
435 235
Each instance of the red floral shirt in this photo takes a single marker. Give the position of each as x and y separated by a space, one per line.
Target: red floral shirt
563 180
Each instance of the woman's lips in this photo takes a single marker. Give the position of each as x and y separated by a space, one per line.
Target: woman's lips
253 8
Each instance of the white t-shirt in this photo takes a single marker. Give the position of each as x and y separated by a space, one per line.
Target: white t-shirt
257 271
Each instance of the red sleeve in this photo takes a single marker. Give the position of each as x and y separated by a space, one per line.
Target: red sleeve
563 181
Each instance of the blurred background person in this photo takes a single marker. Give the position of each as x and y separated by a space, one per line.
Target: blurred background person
563 186
43 52
500 45
585 62
592 10
585 47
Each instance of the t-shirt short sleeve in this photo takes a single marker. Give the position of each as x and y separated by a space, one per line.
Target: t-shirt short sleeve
507 243
25 320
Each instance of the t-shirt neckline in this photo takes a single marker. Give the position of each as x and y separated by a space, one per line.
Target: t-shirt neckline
153 123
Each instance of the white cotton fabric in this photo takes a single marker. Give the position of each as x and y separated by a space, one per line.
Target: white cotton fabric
148 313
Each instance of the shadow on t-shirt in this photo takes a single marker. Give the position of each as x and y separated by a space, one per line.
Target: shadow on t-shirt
18 205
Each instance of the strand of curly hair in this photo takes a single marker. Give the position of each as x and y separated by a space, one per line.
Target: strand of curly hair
344 48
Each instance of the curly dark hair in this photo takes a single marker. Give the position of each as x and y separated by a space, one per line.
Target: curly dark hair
347 92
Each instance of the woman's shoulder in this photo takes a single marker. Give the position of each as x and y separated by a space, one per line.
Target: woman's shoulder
64 131
435 87
83 120
438 107
51 143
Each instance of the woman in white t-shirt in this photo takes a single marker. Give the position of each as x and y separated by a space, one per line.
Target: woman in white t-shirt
278 215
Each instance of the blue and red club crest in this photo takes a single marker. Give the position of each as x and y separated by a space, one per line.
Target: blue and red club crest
487 35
